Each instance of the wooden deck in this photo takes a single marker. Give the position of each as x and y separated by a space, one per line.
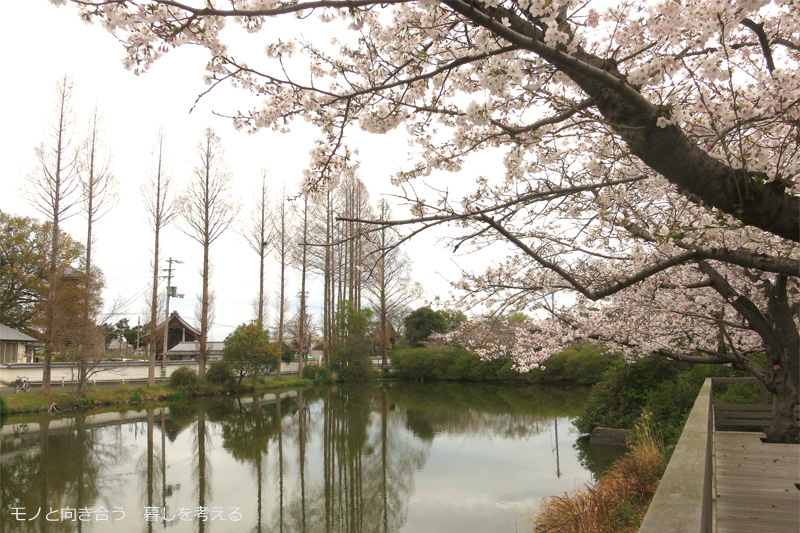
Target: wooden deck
755 484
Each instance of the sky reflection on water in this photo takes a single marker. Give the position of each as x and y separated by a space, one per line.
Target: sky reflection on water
367 458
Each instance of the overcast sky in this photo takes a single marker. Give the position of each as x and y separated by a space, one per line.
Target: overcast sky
43 43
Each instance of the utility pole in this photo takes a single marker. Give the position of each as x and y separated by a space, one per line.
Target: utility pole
171 291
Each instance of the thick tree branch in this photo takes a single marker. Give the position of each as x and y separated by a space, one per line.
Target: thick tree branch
763 40
748 196
718 359
744 306
573 281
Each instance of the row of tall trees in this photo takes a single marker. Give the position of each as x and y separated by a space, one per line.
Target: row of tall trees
316 235
308 235
72 176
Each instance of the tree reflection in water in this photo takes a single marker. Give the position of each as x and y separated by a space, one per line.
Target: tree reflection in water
339 459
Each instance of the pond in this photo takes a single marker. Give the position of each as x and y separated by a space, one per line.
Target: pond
391 457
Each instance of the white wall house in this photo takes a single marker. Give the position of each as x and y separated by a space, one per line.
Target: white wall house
13 345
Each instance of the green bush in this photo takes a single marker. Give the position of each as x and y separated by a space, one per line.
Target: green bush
311 371
3 407
325 375
318 373
662 390
446 364
584 364
618 401
183 378
179 396
219 373
355 371
249 353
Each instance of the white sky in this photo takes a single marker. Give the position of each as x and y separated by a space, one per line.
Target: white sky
43 43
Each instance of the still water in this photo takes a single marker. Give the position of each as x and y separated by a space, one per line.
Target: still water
397 457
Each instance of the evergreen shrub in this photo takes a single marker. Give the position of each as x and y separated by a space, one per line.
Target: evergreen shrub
183 378
219 373
661 389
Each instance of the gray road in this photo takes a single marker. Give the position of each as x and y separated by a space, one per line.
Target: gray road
100 385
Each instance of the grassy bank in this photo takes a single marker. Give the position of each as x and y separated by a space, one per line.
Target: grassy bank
649 393
618 502
32 402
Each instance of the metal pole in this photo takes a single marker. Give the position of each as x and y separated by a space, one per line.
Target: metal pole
138 328
166 317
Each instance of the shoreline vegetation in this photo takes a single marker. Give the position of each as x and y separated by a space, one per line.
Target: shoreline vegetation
618 502
126 395
652 396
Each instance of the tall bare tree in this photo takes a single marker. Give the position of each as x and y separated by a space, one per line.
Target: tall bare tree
282 222
98 192
159 204
302 264
337 250
322 261
259 237
208 210
52 192
389 289
351 267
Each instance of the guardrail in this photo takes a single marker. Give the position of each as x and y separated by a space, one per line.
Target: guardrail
684 500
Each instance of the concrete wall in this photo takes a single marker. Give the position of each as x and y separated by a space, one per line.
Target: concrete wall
680 503
107 371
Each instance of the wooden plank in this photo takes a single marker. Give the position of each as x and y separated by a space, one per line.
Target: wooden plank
780 523
786 518
746 422
787 478
746 407
781 501
755 484
737 528
743 414
759 408
744 381
748 414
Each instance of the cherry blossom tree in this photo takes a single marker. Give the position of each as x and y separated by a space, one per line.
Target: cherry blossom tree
650 150
703 93
646 272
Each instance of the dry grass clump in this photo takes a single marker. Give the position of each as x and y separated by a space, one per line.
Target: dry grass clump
618 502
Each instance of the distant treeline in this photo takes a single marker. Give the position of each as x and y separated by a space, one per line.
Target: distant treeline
583 363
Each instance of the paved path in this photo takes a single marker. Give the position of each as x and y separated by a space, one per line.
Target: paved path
56 386
756 489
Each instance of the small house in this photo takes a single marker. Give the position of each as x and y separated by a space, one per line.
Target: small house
15 346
